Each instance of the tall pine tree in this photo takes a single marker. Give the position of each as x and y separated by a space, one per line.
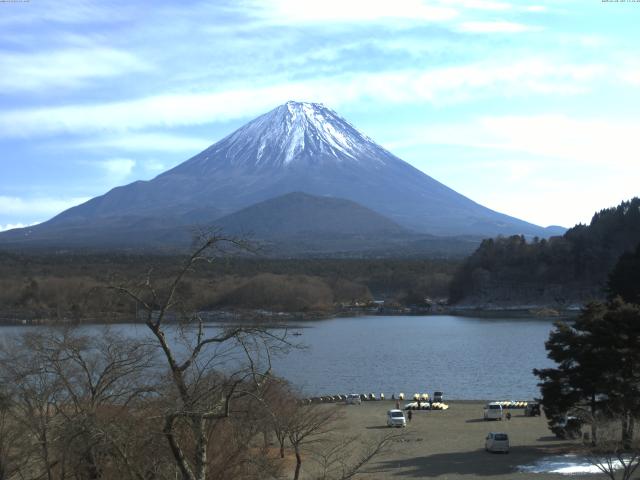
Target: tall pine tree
577 383
598 367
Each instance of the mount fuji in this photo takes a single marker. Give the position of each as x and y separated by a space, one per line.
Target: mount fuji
297 147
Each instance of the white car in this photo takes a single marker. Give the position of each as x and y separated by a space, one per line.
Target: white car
493 411
395 418
353 399
497 442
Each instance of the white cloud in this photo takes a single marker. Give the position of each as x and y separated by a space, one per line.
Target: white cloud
11 226
64 68
478 4
438 85
603 142
37 206
536 8
495 27
597 141
631 76
352 11
154 166
72 12
164 142
543 164
368 11
117 168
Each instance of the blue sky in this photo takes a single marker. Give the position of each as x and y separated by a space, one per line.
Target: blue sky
531 108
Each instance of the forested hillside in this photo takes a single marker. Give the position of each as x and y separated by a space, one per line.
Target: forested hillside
559 271
74 286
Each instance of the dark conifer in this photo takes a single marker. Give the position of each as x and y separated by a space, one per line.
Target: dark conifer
624 279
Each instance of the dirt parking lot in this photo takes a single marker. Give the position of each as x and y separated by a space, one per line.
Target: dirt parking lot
450 444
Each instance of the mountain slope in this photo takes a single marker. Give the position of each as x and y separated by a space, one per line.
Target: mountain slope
297 147
301 225
301 214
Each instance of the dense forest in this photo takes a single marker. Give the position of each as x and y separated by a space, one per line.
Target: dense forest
74 286
560 271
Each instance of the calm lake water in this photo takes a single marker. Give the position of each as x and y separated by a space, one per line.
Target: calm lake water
467 358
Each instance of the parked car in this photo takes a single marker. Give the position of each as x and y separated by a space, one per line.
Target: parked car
395 418
493 411
497 442
438 397
532 409
353 399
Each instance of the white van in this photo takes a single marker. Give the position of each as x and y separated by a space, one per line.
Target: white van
497 442
395 418
493 411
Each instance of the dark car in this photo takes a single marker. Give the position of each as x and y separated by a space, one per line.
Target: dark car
568 428
532 409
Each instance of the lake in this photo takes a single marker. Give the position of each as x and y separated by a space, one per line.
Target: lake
466 357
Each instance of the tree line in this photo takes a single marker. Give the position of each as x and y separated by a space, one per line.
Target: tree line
71 286
572 268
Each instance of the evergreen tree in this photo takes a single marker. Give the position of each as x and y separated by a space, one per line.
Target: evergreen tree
578 381
624 279
618 336
598 366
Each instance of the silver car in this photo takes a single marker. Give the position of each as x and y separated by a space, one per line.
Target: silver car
497 442
395 418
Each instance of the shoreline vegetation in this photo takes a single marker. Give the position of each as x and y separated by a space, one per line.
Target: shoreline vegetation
73 288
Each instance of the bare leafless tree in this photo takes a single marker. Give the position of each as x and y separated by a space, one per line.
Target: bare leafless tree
14 442
344 458
615 457
183 401
209 369
34 395
73 393
309 425
279 406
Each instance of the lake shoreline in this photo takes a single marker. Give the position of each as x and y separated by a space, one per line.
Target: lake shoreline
267 318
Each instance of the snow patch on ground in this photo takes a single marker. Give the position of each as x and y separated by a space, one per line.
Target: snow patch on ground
563 465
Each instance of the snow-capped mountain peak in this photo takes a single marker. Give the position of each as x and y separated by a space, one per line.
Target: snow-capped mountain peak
302 148
293 133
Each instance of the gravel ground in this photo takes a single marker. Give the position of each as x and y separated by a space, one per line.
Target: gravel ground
450 444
